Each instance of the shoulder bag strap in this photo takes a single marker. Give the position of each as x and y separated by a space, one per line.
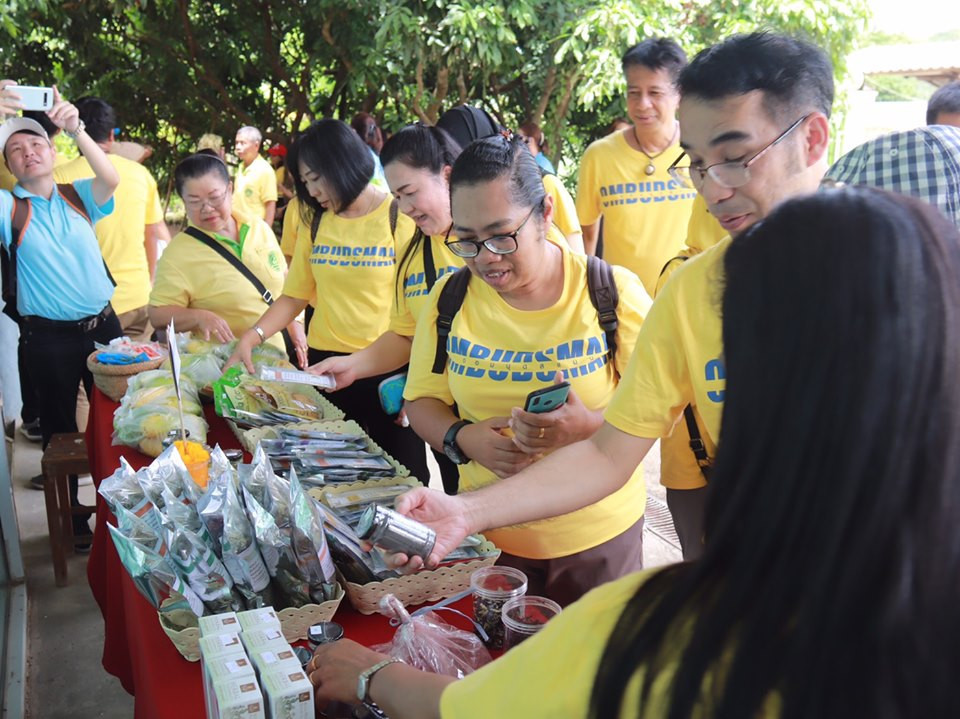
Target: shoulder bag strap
429 267
448 304
696 443
605 297
233 260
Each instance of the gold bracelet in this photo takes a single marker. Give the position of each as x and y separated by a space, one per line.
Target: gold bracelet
259 330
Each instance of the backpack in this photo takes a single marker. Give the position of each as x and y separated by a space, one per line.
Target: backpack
394 216
600 285
19 221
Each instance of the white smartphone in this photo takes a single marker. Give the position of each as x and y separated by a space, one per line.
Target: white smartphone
34 98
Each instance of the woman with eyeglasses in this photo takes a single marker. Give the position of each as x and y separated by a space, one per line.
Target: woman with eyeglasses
526 321
197 287
345 260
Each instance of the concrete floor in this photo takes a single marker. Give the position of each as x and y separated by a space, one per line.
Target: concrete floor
65 677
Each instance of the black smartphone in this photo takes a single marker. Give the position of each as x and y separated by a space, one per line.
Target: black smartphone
547 399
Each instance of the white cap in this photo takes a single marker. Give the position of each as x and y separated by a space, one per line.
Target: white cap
20 124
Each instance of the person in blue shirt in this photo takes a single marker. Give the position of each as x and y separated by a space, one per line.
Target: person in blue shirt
63 288
533 136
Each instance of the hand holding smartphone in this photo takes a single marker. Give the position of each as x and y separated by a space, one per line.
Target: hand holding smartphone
547 399
32 97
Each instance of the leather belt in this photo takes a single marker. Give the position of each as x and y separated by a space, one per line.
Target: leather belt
87 324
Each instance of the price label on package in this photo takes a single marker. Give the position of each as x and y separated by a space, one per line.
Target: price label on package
279 374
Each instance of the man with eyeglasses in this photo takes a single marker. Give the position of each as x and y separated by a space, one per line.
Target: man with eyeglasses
753 122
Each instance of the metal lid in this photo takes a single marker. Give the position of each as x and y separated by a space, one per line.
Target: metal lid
365 526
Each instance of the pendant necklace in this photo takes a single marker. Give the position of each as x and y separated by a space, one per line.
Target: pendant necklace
651 168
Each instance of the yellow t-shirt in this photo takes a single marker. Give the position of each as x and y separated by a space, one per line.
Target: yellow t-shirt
678 465
564 208
7 180
254 187
121 235
408 305
350 270
499 354
552 674
679 355
291 227
644 216
190 274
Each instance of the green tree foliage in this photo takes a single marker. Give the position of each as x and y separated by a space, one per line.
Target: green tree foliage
175 69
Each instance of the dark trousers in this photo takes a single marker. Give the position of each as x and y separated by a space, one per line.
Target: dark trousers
687 507
449 472
57 360
361 403
28 390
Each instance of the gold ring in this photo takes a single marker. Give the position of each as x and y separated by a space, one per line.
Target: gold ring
540 436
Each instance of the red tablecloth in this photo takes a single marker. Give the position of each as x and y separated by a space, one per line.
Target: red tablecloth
135 648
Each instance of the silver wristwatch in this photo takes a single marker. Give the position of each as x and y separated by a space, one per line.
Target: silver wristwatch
363 683
81 126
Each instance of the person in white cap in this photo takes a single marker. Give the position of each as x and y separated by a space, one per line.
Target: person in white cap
54 276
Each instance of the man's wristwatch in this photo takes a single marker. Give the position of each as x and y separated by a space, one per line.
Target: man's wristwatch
450 446
363 682
81 126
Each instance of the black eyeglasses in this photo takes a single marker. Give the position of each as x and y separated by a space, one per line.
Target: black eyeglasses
726 174
498 244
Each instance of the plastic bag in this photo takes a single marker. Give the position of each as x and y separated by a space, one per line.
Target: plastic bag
277 553
204 572
144 428
241 554
428 643
310 543
201 369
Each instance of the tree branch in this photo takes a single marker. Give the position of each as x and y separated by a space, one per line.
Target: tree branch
440 94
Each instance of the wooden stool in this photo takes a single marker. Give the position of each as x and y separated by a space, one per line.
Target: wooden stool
65 455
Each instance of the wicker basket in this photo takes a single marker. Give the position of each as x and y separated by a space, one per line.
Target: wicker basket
251 437
425 586
294 621
111 379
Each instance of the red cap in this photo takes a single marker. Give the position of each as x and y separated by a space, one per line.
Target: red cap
278 150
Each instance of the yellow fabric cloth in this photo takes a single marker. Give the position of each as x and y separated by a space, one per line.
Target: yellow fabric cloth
644 216
499 354
121 235
564 208
678 359
678 465
190 274
350 271
408 305
7 180
552 673
254 187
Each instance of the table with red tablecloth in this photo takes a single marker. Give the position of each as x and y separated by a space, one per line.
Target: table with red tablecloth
135 648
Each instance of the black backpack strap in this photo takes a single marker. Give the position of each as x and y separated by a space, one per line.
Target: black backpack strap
696 443
605 297
682 258
429 267
19 219
233 260
448 304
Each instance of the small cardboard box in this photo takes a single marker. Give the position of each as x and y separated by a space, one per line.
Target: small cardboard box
222 667
225 623
255 639
258 619
216 645
265 658
237 698
287 693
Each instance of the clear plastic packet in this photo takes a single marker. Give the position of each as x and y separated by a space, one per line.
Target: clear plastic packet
145 531
165 472
144 428
254 476
241 554
310 543
204 572
165 396
277 553
188 345
428 643
122 490
211 503
158 581
201 369
158 378
181 514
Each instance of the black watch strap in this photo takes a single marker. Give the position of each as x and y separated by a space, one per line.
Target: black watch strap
450 446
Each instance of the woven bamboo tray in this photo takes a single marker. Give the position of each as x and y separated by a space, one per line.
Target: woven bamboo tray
249 438
294 621
112 379
429 585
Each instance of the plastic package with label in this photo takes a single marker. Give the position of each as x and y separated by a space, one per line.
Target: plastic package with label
428 643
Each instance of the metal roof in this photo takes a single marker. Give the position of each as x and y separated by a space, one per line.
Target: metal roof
936 62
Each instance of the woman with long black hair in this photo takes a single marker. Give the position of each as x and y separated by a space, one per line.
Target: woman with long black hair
345 260
828 586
